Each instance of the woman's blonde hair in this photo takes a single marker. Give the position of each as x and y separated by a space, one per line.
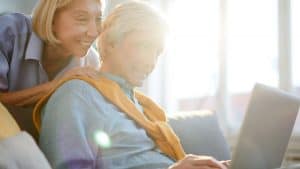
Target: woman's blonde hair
42 18
128 17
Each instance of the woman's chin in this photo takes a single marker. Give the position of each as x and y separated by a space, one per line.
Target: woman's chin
80 54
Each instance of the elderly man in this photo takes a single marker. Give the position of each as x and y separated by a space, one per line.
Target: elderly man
104 121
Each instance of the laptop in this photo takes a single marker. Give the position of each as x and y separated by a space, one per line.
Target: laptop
266 129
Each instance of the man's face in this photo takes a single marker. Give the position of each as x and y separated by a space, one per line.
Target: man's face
77 26
135 56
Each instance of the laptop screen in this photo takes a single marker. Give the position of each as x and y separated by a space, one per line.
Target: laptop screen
266 129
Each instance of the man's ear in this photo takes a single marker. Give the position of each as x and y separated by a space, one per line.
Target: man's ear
110 46
106 49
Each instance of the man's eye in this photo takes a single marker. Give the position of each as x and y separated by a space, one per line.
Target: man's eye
82 19
99 19
145 45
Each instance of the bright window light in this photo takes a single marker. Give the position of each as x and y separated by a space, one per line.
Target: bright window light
192 58
252 44
295 5
252 51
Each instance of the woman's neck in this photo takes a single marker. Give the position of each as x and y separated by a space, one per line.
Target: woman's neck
54 60
54 53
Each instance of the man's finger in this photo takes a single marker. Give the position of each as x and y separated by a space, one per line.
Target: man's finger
209 161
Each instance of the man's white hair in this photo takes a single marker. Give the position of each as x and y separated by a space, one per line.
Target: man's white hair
128 17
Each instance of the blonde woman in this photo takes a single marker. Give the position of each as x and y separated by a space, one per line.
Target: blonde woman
105 120
35 52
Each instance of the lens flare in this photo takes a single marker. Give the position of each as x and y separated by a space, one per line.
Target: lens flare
102 139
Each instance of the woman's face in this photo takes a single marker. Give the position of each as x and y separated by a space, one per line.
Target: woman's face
77 26
135 56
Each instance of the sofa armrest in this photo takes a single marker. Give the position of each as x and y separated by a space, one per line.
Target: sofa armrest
200 133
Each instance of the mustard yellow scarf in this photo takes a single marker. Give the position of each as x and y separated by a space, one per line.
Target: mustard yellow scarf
153 120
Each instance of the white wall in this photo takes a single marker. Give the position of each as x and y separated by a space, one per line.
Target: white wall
22 6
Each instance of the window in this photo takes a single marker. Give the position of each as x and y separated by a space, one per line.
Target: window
295 29
219 49
251 52
17 6
193 56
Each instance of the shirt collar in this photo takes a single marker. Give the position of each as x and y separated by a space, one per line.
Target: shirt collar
125 86
34 48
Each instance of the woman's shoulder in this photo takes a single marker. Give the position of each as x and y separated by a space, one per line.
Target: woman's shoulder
15 23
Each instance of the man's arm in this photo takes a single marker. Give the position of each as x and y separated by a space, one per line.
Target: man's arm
64 136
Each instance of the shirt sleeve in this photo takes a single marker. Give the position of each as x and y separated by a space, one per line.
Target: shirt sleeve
65 138
5 50
21 152
13 25
4 67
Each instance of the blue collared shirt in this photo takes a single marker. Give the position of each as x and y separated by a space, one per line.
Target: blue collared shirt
73 123
20 62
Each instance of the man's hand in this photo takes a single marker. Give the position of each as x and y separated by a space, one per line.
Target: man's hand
198 162
8 126
226 163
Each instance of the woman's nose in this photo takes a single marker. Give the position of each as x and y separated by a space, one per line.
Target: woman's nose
93 30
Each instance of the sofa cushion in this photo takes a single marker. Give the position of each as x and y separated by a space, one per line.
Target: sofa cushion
200 134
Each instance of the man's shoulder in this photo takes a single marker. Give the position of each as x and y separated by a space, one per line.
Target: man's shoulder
79 87
70 93
76 85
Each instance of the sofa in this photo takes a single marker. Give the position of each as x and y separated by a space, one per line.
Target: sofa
200 133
